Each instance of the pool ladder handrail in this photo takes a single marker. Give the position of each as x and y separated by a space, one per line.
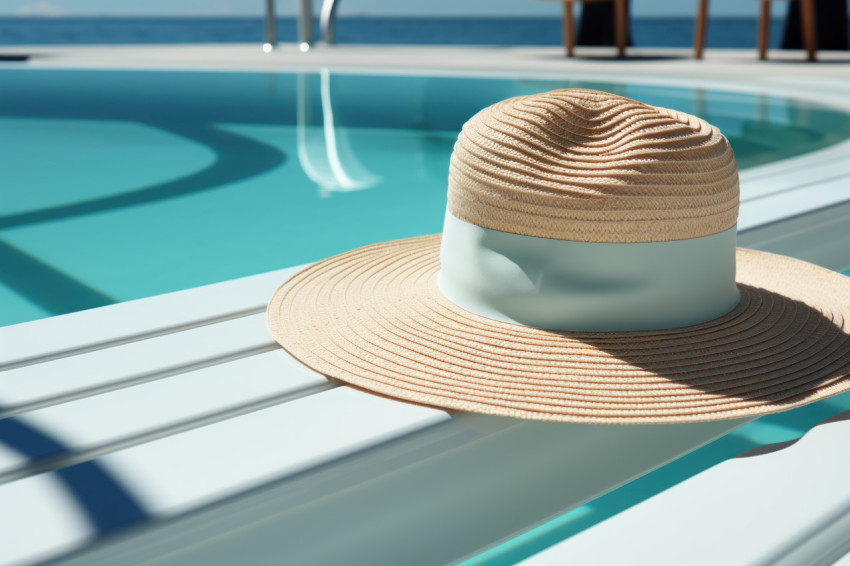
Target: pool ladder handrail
305 24
327 17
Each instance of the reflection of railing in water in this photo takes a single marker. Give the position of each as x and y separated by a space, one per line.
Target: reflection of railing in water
325 154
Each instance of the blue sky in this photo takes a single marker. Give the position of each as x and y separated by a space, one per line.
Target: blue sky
685 8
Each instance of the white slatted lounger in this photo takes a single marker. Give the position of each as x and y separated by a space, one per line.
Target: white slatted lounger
209 430
173 430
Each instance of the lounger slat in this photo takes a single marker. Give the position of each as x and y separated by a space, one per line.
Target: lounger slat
186 471
134 361
794 186
781 205
795 172
110 420
781 504
820 237
67 334
39 519
207 464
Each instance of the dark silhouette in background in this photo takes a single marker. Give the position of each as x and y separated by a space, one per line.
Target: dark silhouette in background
597 24
597 27
830 21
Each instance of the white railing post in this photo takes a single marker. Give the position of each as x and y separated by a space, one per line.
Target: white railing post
327 19
305 25
271 27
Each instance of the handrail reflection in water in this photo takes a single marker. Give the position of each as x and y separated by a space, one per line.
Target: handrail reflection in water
325 154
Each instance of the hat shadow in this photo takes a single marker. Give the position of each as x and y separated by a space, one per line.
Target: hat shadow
769 350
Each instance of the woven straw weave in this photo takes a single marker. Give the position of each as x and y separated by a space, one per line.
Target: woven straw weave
593 167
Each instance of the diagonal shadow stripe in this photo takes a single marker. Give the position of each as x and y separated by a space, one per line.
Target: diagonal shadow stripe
41 284
238 157
106 503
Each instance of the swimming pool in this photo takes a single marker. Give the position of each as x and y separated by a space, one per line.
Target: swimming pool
119 185
124 184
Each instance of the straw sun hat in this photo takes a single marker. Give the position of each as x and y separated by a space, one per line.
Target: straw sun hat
587 272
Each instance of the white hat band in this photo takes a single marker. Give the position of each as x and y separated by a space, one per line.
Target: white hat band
587 286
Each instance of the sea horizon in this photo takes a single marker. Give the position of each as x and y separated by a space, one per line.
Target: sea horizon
723 32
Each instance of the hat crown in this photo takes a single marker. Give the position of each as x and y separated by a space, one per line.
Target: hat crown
591 166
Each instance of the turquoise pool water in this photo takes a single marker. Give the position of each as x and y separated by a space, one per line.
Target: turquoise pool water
118 185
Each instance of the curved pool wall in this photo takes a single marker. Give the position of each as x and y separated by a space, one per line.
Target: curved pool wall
124 184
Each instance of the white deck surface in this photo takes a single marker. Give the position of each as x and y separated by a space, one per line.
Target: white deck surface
186 416
781 505
210 445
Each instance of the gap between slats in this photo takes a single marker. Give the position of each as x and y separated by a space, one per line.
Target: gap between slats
130 339
123 366
64 460
137 380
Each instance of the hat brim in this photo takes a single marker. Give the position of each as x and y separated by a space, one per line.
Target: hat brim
374 317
